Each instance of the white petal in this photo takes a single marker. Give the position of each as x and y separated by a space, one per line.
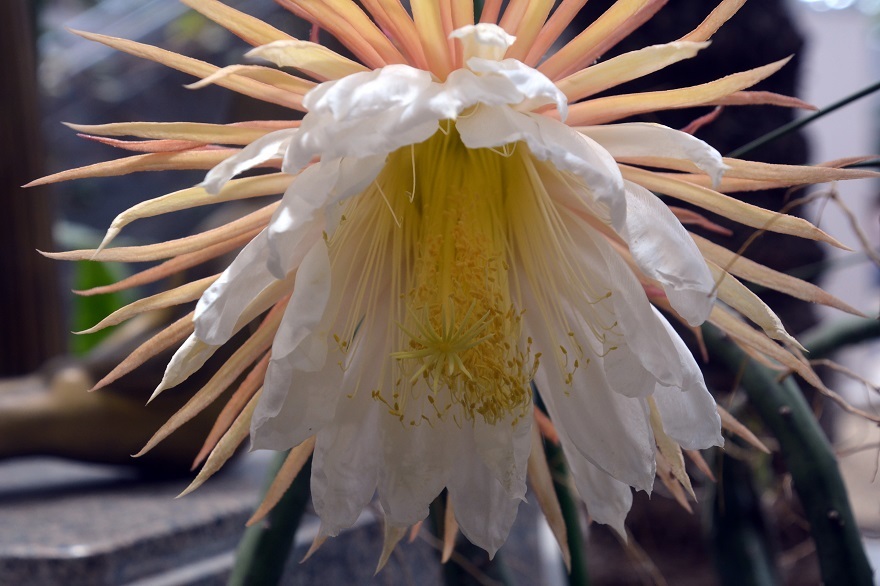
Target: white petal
645 332
345 463
271 146
297 399
299 220
689 415
504 448
607 428
304 313
625 371
418 462
535 87
690 418
220 307
664 251
608 500
294 408
371 113
484 510
640 139
485 40
365 94
463 89
551 140
188 359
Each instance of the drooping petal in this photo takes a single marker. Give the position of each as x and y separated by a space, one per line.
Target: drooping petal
639 139
504 448
419 460
299 219
689 413
304 314
608 500
642 346
483 508
345 463
550 140
607 428
270 146
664 251
222 304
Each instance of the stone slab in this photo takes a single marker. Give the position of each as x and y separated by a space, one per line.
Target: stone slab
72 524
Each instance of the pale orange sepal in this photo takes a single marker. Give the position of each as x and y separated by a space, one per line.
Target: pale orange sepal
767 277
170 298
247 354
172 266
734 209
252 30
552 29
611 108
732 424
721 14
162 250
291 468
226 447
530 24
239 399
201 159
200 69
541 481
158 343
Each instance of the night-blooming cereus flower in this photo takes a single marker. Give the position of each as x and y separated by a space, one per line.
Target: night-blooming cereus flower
458 224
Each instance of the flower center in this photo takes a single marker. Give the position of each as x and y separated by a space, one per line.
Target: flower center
458 349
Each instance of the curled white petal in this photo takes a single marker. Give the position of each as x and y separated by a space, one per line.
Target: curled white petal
485 40
271 146
220 307
298 221
536 88
664 251
188 359
641 139
550 140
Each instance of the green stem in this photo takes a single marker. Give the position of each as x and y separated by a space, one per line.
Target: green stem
743 551
827 339
579 575
263 551
810 460
801 122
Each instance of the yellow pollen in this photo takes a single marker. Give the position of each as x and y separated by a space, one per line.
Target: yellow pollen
459 332
433 256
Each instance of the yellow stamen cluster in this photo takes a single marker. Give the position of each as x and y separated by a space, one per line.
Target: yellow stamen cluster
458 345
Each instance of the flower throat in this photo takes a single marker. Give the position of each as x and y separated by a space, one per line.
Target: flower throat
457 349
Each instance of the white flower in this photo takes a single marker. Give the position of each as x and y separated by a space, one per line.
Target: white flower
450 245
458 223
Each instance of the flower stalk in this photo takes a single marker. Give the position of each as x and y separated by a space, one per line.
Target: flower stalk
265 547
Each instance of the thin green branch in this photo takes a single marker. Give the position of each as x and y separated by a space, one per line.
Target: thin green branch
743 550
801 122
824 340
810 461
579 575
